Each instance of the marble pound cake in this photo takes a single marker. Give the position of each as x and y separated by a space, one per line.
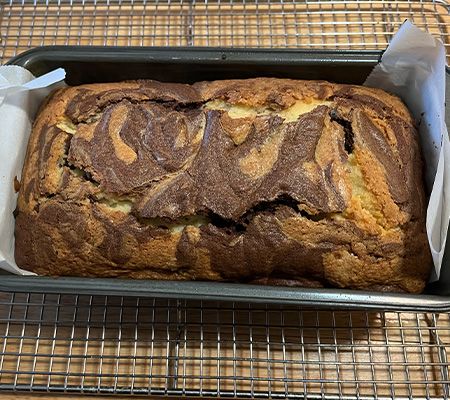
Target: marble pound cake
270 181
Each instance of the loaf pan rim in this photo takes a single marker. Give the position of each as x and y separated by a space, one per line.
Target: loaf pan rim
213 54
231 292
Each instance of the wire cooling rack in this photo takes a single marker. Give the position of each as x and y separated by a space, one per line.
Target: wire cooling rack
172 347
111 345
354 24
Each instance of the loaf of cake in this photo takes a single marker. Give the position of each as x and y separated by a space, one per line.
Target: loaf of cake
266 181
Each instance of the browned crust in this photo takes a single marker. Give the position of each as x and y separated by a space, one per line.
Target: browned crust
271 181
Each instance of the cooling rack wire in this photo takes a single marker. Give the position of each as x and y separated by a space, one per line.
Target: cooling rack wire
119 345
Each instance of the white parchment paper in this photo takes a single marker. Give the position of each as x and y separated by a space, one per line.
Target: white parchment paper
20 96
412 67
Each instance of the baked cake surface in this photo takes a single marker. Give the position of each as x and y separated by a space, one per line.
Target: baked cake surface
272 181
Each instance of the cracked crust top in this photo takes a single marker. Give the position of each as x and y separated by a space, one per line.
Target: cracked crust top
262 180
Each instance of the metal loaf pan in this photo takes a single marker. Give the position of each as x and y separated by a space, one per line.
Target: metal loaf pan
108 64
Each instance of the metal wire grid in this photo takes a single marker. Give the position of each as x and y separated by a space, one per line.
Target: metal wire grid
139 346
172 347
354 24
